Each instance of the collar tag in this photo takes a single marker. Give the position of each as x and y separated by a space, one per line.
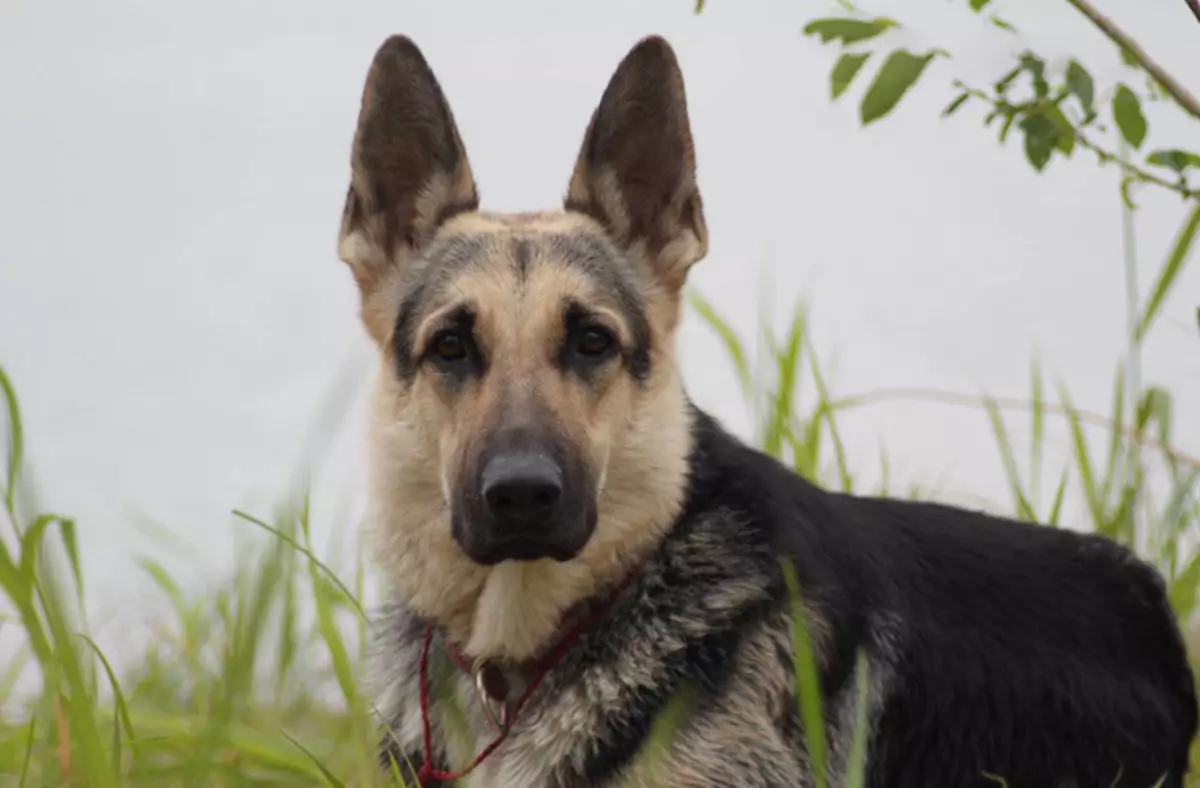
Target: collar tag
493 689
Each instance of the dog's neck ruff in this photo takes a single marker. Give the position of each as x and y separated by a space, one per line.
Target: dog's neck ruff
493 688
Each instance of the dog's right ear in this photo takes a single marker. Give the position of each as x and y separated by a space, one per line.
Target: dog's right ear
409 169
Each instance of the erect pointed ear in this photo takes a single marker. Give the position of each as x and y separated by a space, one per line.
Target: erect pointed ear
636 172
409 170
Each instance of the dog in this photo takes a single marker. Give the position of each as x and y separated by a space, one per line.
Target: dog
573 546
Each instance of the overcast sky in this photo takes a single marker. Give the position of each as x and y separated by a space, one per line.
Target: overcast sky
174 315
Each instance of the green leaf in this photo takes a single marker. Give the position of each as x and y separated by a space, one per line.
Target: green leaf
1170 270
978 5
1128 59
897 74
1002 84
699 6
844 70
1002 24
1174 159
1040 139
955 105
1064 132
1127 112
847 30
1080 83
1036 67
1004 127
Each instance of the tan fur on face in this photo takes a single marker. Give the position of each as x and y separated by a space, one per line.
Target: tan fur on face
633 436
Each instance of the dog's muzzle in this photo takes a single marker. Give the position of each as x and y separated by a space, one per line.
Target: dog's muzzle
527 505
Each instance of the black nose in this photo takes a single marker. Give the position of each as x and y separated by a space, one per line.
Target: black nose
522 490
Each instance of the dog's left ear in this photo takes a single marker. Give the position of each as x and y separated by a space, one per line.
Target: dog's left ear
636 172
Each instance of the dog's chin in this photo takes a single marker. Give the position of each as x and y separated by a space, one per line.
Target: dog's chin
489 549
522 549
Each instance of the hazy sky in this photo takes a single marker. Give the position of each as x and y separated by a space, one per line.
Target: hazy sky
173 312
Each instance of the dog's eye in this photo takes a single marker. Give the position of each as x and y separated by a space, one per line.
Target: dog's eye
594 342
449 346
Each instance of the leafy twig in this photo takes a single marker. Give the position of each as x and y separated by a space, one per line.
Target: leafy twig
1104 155
1108 157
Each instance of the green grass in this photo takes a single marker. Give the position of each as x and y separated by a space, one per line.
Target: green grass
258 683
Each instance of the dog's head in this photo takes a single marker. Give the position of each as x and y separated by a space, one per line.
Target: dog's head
528 406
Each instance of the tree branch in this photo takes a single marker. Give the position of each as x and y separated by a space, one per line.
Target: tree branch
1123 40
1102 154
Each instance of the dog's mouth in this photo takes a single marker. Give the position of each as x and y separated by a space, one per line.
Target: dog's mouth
488 545
525 548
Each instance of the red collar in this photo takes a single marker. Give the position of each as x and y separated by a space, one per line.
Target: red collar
492 686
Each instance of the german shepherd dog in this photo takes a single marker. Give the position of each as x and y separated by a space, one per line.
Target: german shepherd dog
573 545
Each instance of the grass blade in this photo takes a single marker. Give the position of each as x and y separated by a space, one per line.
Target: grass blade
307 554
28 757
733 345
1056 507
16 447
1038 429
1024 508
122 714
808 685
328 775
856 767
1083 462
1170 271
